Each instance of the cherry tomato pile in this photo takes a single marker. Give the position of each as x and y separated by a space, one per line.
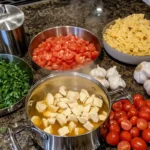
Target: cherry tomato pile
64 53
129 124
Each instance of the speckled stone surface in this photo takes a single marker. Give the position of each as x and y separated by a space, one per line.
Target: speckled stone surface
80 13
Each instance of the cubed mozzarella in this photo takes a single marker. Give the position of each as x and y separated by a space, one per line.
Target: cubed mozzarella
72 95
90 99
72 103
58 95
64 99
62 105
94 110
61 119
41 106
97 102
86 108
53 115
85 115
56 101
53 108
71 126
48 129
80 108
82 120
102 117
47 114
76 111
79 131
49 99
45 122
83 97
67 112
62 90
86 92
36 120
94 117
63 131
88 126
72 117
51 120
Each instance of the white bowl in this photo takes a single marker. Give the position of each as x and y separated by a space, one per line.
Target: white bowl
125 58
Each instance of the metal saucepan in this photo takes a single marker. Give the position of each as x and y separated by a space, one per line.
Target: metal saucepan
73 81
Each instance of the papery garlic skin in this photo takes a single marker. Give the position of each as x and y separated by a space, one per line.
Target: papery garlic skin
98 72
142 72
147 86
112 72
116 81
103 81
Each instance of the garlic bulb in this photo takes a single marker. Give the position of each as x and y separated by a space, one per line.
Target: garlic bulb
147 86
112 72
98 72
116 81
103 81
142 72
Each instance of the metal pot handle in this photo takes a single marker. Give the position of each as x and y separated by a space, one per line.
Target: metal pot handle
13 131
120 94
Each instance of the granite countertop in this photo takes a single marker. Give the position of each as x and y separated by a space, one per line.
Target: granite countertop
81 13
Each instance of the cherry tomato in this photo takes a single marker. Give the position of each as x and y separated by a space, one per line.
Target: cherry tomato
112 114
146 135
142 124
103 131
135 132
138 144
148 125
133 120
132 112
140 103
112 138
137 97
114 127
125 136
119 113
127 106
126 125
117 106
123 145
113 121
145 108
125 101
144 114
121 118
147 102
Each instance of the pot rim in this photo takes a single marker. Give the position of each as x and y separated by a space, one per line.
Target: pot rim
74 74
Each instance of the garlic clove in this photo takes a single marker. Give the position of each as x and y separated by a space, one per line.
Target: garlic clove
103 81
147 86
112 72
99 71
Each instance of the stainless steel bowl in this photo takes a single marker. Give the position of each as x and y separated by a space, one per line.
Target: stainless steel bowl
62 31
24 66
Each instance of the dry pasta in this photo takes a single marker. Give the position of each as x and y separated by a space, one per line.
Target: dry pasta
130 35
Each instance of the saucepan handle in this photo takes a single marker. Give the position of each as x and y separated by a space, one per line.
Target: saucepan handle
120 94
13 131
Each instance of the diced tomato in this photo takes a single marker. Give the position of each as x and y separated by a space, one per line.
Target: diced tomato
94 54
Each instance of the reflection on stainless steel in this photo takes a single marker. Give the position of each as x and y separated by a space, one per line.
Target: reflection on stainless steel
22 64
63 31
12 35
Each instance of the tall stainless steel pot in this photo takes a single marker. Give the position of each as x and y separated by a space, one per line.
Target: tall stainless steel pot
73 81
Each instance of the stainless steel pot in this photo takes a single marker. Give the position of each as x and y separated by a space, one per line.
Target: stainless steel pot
73 81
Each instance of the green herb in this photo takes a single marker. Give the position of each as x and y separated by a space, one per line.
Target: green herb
14 83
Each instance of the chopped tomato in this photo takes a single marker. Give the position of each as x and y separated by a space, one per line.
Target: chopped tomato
126 125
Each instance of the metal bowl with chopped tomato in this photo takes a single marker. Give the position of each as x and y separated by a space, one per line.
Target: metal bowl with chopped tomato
63 48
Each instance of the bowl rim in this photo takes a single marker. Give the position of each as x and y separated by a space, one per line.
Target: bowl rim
18 104
67 26
103 32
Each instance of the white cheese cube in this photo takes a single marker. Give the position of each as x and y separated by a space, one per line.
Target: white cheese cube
53 108
41 106
90 99
94 117
63 131
80 108
86 108
51 120
72 117
62 90
76 111
48 129
47 114
72 95
97 102
49 99
57 96
62 105
36 120
104 112
94 110
82 120
102 117
72 103
53 115
86 92
83 97
71 126
56 101
61 119
45 122
79 131
85 115
64 99
88 126
67 112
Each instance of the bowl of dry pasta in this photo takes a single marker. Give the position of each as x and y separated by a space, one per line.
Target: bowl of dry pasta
128 39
